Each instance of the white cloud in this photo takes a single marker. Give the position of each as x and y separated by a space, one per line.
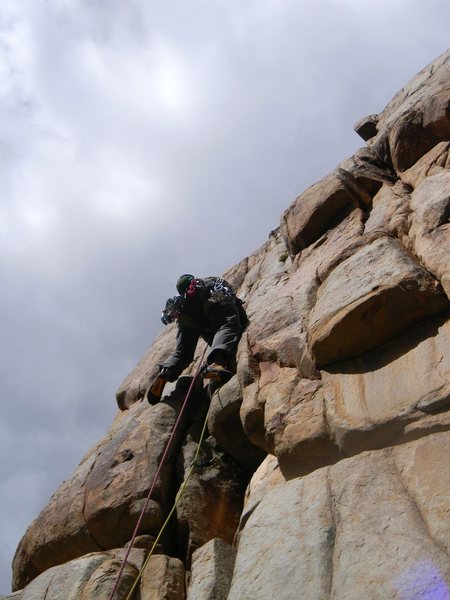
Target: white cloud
141 140
153 81
122 193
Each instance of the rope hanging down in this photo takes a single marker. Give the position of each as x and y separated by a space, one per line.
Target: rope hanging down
155 478
177 499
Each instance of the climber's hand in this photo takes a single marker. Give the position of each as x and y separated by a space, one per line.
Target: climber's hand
165 373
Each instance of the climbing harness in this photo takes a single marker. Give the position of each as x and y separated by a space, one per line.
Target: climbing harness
155 478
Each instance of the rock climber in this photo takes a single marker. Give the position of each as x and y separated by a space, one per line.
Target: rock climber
205 308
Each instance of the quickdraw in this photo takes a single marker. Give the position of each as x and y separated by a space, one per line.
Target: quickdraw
172 310
222 292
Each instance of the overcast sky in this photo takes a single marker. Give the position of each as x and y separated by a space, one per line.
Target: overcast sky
140 140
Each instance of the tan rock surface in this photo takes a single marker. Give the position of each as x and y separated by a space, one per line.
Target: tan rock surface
375 294
91 577
302 437
430 229
211 571
99 506
372 398
350 531
225 426
163 579
417 117
437 157
266 476
118 482
390 212
312 213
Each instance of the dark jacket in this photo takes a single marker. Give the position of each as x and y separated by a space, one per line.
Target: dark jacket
218 319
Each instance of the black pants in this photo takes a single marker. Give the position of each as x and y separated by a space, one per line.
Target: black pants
223 332
228 330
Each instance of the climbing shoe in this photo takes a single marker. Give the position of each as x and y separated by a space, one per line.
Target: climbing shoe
217 372
156 389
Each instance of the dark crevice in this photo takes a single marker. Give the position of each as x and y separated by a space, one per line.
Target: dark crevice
331 535
47 589
91 535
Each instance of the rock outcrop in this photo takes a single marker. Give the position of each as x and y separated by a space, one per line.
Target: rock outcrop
325 473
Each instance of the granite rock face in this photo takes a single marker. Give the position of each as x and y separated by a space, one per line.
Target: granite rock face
367 527
324 472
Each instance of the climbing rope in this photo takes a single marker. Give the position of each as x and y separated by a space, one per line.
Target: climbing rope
177 499
155 478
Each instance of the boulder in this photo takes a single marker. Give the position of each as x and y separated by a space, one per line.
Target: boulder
211 571
325 204
436 158
367 127
314 211
163 579
369 298
225 426
430 229
365 173
418 116
390 213
91 577
252 416
301 437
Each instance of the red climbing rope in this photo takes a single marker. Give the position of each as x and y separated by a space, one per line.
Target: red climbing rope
155 478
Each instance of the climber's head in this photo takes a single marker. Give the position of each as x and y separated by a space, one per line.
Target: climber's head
183 283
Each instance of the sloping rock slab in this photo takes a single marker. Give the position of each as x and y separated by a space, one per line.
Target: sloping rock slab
311 214
369 298
373 526
418 116
135 384
91 577
98 507
398 391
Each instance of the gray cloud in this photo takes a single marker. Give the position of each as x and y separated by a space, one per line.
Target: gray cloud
138 141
